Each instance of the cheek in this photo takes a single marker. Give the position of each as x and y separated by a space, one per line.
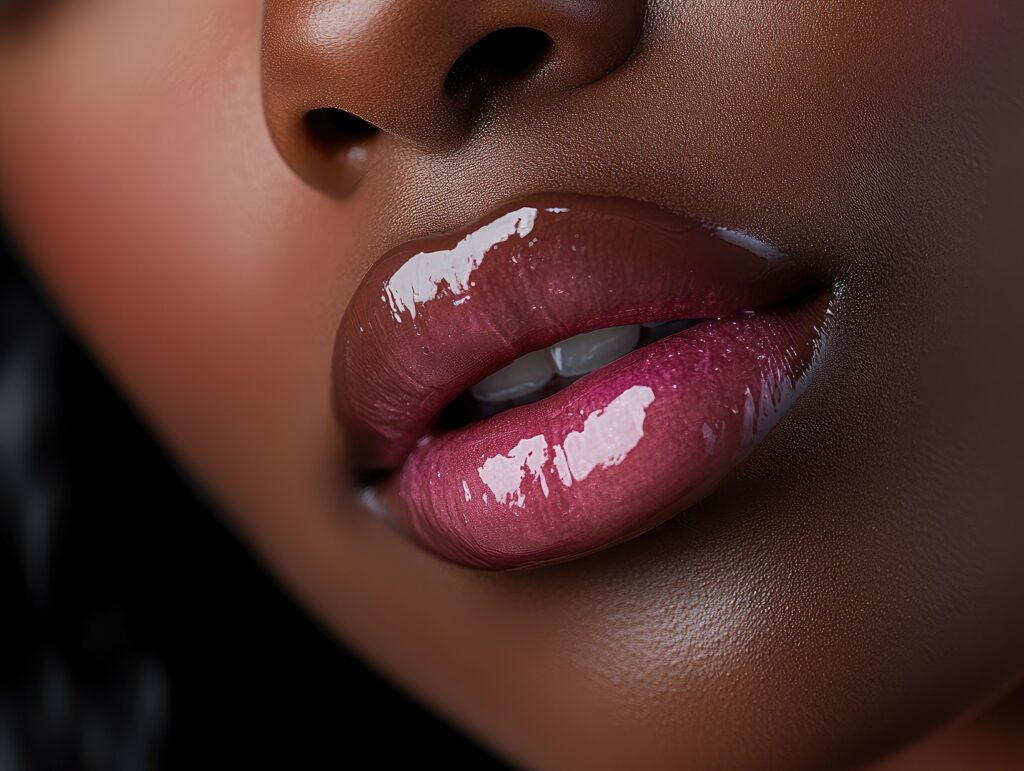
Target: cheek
155 208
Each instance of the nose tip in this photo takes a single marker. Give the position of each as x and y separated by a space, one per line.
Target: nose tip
338 74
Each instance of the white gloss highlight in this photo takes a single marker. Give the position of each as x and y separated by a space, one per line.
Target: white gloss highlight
504 474
428 275
749 242
608 435
606 439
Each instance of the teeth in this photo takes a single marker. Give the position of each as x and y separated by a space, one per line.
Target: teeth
525 375
570 358
584 353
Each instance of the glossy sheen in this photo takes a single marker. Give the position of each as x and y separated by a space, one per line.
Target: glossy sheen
611 455
436 316
617 451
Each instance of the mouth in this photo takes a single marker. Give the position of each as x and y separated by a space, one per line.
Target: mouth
567 373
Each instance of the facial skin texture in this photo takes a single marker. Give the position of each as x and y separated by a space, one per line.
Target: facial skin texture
852 588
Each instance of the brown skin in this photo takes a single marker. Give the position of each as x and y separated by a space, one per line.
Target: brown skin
852 588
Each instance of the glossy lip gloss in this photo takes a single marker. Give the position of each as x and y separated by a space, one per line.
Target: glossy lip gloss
619 450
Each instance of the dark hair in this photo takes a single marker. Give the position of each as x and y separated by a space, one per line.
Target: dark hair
139 633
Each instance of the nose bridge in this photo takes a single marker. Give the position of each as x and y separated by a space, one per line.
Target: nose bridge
421 70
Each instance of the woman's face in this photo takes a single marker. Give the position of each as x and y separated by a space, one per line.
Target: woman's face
852 584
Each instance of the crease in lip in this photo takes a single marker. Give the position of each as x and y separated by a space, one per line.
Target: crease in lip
437 315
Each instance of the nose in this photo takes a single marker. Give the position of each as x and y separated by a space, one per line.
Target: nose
339 75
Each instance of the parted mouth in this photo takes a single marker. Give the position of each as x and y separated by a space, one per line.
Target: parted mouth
566 373
539 374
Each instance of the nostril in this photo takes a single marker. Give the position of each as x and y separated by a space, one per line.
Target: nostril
332 129
341 143
501 57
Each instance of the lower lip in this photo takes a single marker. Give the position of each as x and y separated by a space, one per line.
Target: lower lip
614 454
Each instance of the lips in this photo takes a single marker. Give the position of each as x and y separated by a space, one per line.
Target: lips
614 452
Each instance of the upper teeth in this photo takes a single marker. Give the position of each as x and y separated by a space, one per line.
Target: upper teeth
570 358
525 375
584 353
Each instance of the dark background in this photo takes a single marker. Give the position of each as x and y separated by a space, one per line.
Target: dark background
138 632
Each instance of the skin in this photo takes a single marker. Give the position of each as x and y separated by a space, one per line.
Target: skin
854 590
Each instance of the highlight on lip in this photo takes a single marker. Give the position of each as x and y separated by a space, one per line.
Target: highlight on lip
625 447
446 272
607 437
568 373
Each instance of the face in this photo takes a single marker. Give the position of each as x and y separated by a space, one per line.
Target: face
219 198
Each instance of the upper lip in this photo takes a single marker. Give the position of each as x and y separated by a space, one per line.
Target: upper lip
436 315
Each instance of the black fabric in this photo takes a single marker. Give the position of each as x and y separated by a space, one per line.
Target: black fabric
138 633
